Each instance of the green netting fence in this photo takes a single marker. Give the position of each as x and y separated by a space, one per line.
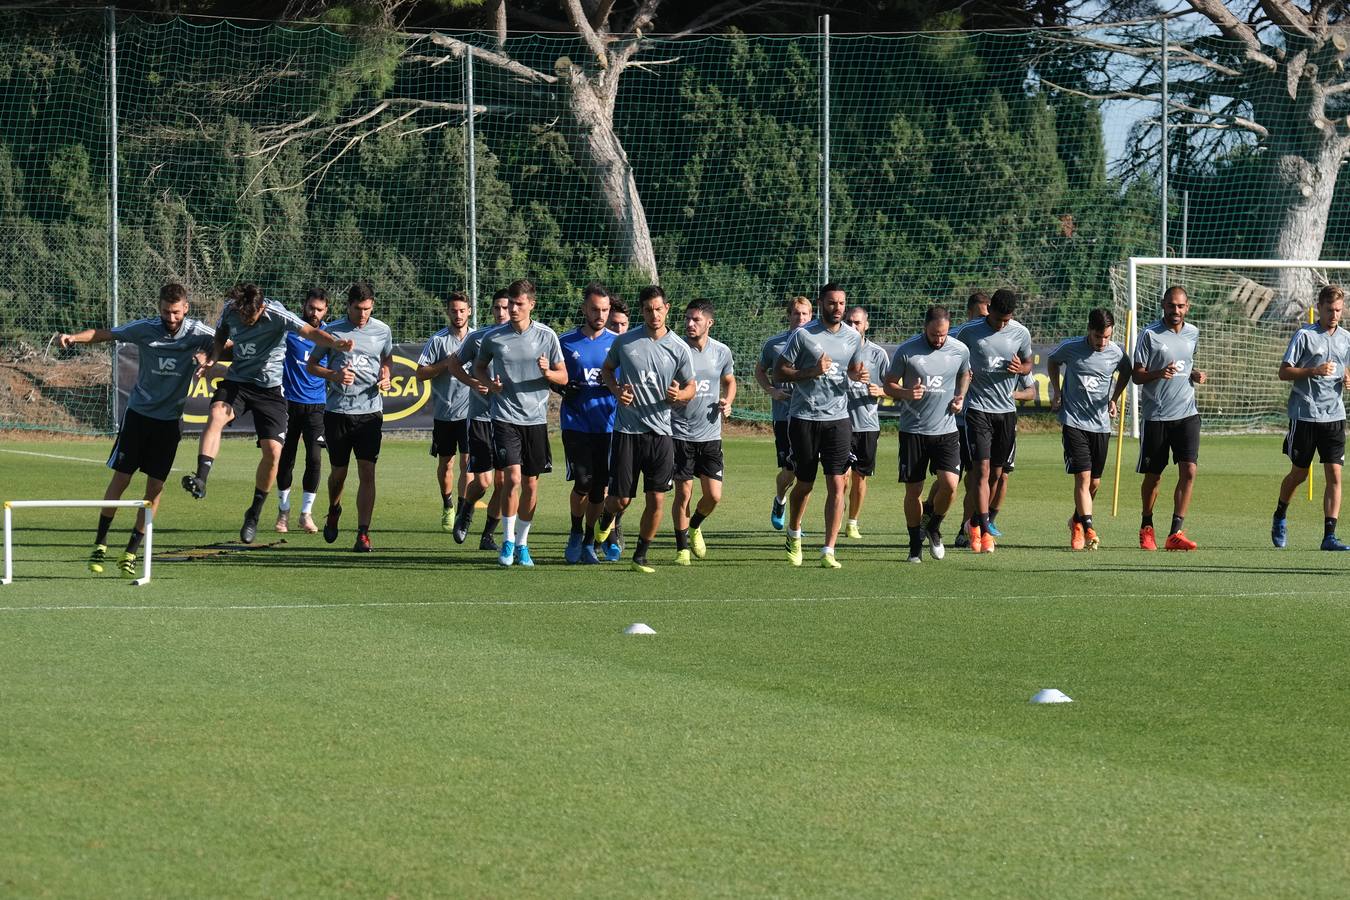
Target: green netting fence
295 155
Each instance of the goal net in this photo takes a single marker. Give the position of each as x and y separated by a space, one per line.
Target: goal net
1246 311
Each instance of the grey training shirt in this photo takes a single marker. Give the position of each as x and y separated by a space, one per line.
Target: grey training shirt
371 343
514 356
822 399
1319 398
862 406
1167 399
940 370
700 419
449 395
768 355
649 365
260 348
1085 373
480 408
166 365
991 384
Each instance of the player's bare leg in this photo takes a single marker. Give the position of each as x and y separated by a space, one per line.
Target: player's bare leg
208 448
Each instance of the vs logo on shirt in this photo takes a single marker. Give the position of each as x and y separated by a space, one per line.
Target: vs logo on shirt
167 366
591 377
245 351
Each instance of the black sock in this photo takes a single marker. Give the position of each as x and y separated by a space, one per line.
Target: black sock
982 521
928 507
1086 519
104 523
1176 523
915 540
993 513
1328 526
259 498
446 499
640 555
1281 509
203 467
935 521
362 529
134 544
681 538
1146 521
462 502
698 519
490 526
607 519
576 524
590 533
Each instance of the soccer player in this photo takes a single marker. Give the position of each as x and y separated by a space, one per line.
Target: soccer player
171 348
863 400
618 316
1164 367
483 469
657 371
1000 351
1316 362
697 430
977 307
1081 391
353 417
450 396
618 323
305 396
527 359
257 327
929 374
818 360
1025 390
587 418
798 314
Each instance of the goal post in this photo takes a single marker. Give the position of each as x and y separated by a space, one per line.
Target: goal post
11 505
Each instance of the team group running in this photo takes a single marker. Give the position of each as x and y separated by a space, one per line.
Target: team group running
649 401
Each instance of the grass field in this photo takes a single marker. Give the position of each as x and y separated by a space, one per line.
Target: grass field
304 721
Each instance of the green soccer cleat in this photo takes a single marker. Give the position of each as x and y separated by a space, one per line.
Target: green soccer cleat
97 558
696 543
127 565
448 519
682 558
602 532
851 532
793 546
643 568
827 561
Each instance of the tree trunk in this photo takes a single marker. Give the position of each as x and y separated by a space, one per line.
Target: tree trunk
1309 180
604 161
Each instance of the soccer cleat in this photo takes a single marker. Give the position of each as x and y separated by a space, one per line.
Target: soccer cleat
330 527
1279 532
283 521
987 542
613 551
827 561
249 530
362 544
793 546
935 546
915 557
777 513
602 531
448 519
682 558
463 520
97 558
588 556
1331 542
1090 538
572 554
507 556
489 543
127 565
851 531
993 529
1077 537
962 537
697 544
1147 540
194 486
307 523
523 557
976 540
1177 540
643 568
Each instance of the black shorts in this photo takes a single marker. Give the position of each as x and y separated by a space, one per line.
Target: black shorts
1327 438
650 455
268 406
962 445
347 435
698 459
1180 436
1085 451
862 457
991 436
145 445
587 454
481 457
826 443
921 454
305 419
449 437
782 444
522 445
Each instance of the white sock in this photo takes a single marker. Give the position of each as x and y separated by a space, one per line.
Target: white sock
509 528
827 551
794 532
522 531
780 500
284 500
853 522
307 502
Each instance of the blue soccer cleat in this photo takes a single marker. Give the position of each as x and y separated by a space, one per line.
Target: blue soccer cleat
573 552
993 529
613 551
777 514
523 557
588 557
1279 532
1331 542
508 554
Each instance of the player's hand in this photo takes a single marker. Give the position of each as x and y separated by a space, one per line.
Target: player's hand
346 376
864 376
914 391
956 404
346 345
64 342
1019 366
1345 379
1325 369
724 407
825 363
495 385
1056 401
481 388
1168 371
1197 377
543 364
384 383
627 395
875 390
1111 409
783 396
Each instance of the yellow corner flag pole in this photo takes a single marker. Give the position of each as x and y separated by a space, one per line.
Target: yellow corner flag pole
1120 440
1312 317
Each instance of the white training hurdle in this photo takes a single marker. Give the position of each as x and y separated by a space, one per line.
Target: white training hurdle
11 505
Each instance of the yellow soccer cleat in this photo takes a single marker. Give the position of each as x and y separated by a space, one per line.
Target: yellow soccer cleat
643 568
827 561
682 558
127 565
696 543
793 546
851 532
97 558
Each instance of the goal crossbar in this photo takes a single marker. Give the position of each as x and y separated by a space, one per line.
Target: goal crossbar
11 505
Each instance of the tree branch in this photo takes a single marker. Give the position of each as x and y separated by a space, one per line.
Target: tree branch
499 21
582 26
500 60
1288 17
1233 28
1234 121
600 15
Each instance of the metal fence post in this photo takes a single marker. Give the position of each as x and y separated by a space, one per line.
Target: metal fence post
471 201
114 311
825 149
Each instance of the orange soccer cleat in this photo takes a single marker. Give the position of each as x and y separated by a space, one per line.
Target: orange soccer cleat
1146 539
1178 541
976 538
1077 540
1090 537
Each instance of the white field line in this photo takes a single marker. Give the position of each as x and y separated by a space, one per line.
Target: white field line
100 462
615 601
